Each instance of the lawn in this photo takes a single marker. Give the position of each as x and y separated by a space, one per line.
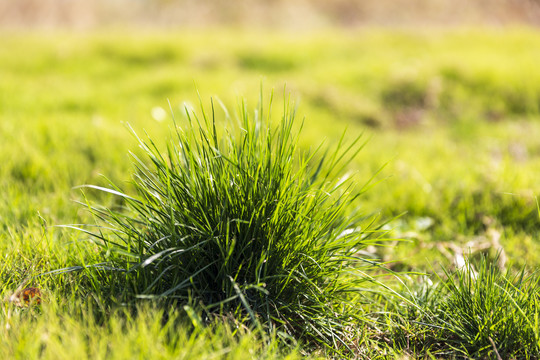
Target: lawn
450 121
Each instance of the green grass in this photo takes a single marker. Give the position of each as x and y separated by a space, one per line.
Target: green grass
454 113
480 313
70 329
236 222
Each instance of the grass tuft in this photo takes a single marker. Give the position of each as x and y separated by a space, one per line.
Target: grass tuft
481 313
235 220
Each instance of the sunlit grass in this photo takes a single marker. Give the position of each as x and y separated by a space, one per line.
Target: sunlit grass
477 312
236 221
454 112
71 329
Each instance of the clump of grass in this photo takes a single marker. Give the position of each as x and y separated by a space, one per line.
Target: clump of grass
493 313
480 313
236 221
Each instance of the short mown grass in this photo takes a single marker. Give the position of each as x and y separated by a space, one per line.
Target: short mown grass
70 329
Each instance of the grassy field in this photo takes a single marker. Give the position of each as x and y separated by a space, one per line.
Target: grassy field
451 119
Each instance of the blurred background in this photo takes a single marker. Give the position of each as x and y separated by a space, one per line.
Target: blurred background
448 91
88 14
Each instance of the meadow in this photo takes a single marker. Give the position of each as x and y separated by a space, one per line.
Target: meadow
450 121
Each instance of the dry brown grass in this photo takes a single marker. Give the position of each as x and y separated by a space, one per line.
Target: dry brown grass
85 14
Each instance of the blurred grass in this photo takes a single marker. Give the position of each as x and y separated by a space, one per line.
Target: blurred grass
282 14
455 113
